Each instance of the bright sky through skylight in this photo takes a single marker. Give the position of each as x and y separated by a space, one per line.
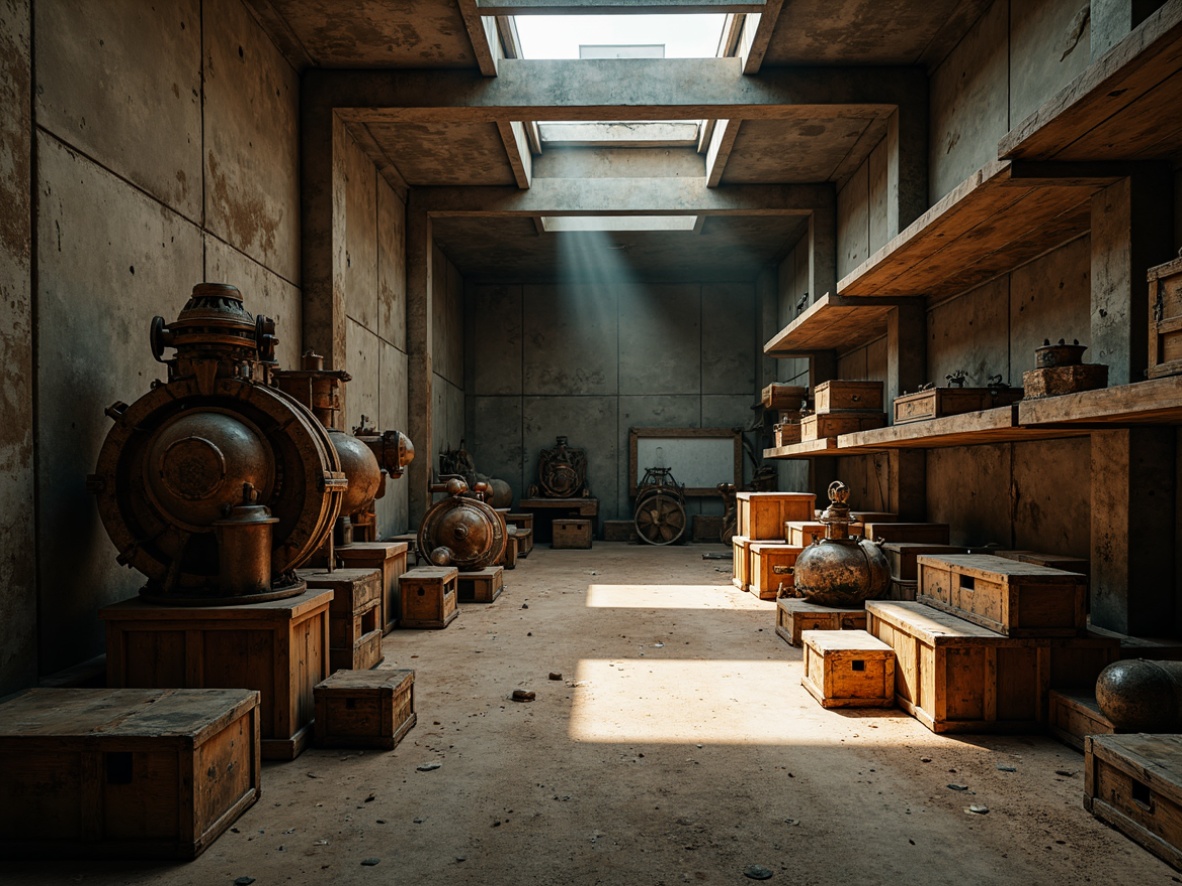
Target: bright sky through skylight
559 36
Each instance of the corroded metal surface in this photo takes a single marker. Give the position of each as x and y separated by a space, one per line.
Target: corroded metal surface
462 530
562 472
838 570
1138 695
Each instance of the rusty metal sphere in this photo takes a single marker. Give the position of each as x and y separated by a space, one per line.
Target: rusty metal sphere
502 493
465 530
841 572
361 467
1138 695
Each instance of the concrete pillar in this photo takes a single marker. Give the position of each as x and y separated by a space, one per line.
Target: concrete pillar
419 286
822 471
767 301
823 250
1133 500
1112 20
907 367
1132 230
18 541
907 163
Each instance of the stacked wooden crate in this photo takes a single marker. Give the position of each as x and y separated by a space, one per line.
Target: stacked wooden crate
843 407
759 546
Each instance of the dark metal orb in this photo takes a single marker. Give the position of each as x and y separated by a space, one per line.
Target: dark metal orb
360 465
1142 696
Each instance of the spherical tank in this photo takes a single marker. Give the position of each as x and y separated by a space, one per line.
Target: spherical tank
360 465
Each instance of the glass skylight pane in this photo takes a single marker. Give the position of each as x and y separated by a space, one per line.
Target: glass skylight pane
634 133
559 36
568 223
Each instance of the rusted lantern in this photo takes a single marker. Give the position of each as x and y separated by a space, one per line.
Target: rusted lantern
838 570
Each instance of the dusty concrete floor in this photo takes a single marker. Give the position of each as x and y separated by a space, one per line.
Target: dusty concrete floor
679 747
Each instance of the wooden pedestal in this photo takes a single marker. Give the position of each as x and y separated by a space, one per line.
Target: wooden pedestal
365 709
411 540
794 617
740 562
844 669
481 585
525 532
571 532
429 597
391 558
139 773
279 648
354 616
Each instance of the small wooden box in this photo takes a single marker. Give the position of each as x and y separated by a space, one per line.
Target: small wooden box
794 617
874 517
1134 784
844 669
919 533
741 562
429 597
1165 319
833 424
388 556
903 589
903 556
1064 380
279 648
760 516
778 396
938 402
707 528
481 585
354 616
764 582
840 395
509 558
525 532
143 773
1073 715
1013 598
365 709
571 533
620 530
785 434
801 532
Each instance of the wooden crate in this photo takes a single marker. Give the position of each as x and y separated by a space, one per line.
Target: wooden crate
902 589
1013 598
509 558
794 617
388 556
1064 380
1073 715
764 582
923 533
802 532
840 395
786 433
1165 319
1081 565
1134 784
706 528
429 597
279 647
365 709
903 556
778 396
741 562
844 669
144 773
480 585
620 530
525 542
571 533
760 516
938 402
833 424
354 616
873 517
411 540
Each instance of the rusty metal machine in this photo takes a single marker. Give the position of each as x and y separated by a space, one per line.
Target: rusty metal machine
463 530
659 515
459 463
838 570
216 484
562 472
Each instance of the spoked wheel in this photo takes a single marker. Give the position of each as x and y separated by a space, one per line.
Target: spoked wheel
660 518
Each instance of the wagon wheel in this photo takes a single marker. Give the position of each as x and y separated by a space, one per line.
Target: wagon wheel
660 519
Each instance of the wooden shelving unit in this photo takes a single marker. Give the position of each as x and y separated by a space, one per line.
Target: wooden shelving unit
1123 107
809 449
998 425
1154 402
832 322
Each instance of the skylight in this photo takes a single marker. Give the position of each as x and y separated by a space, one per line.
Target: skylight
582 223
560 36
622 134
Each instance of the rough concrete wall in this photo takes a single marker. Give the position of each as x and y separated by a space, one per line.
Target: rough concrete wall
131 213
18 578
447 385
867 214
1050 45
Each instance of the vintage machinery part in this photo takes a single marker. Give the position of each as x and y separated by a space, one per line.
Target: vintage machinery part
1062 354
179 464
1139 695
838 570
562 472
459 463
462 530
659 515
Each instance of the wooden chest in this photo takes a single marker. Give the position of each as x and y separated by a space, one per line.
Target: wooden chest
388 556
760 516
844 669
833 424
841 396
1013 598
1073 715
903 556
740 562
795 616
1064 380
279 648
938 402
918 533
785 434
778 396
429 597
354 616
365 709
620 530
143 773
480 585
571 532
1134 784
1165 319
764 582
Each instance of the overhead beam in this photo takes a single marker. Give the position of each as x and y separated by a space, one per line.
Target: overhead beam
482 33
757 34
615 7
722 140
615 89
517 150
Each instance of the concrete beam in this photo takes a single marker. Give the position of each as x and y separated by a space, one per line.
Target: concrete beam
757 34
722 141
322 221
615 89
420 358
482 33
616 7
517 149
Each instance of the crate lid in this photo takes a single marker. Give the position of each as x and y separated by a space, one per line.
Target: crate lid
1000 569
938 628
381 681
843 641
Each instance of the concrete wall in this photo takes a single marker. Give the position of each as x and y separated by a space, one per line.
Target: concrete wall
447 382
166 155
865 220
592 361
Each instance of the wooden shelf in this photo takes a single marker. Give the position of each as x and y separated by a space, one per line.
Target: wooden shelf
994 221
809 449
833 323
998 425
1124 106
1154 402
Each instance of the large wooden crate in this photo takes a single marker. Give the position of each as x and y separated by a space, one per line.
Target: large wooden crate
1072 716
760 516
795 616
1013 598
388 556
1134 784
279 648
354 616
740 562
145 773
833 424
1165 319
766 556
919 533
848 669
938 402
840 395
903 556
365 709
430 597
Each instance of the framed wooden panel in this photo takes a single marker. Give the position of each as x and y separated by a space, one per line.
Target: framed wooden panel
701 458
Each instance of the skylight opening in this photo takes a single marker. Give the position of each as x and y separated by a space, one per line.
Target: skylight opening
621 134
560 36
584 223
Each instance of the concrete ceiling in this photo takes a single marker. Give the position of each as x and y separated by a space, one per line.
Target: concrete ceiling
780 151
433 154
